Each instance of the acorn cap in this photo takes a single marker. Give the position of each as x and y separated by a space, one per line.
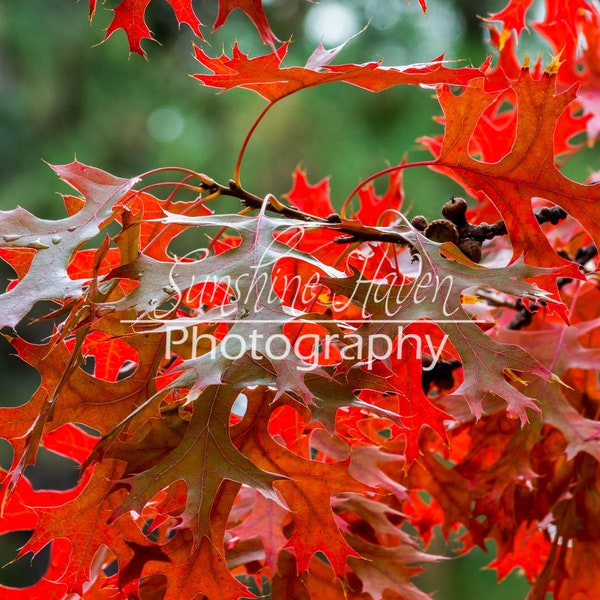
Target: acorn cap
441 231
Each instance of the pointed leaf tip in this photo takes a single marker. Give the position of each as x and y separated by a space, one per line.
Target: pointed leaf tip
554 65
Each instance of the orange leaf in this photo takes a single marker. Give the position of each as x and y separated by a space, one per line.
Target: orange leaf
83 521
130 16
266 76
527 171
308 490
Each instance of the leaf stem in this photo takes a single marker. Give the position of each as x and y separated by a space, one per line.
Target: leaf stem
484 231
238 162
175 184
203 178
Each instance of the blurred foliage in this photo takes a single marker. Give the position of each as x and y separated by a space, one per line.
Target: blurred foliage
63 96
465 577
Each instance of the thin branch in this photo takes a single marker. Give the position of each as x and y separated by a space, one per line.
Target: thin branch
354 233
484 231
273 205
583 255
524 316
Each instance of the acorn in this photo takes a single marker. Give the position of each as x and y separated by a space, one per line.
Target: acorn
455 210
441 231
419 222
471 249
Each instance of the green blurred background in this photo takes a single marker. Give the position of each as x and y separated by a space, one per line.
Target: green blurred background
62 95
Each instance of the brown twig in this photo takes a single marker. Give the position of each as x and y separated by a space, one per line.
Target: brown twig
484 231
524 316
360 233
354 233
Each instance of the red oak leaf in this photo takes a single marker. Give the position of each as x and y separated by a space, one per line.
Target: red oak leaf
203 570
384 568
55 242
415 409
142 230
529 550
71 441
83 521
581 571
528 171
266 521
266 76
67 394
314 199
204 457
50 585
512 17
308 490
254 10
130 16
191 567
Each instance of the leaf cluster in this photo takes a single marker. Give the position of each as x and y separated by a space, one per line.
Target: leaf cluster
293 406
